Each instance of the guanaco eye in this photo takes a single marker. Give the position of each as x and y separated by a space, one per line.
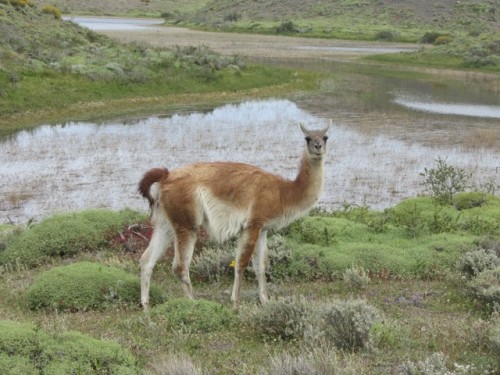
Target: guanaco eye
325 138
308 139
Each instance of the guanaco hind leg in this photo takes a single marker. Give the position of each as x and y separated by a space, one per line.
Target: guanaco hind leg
184 248
158 245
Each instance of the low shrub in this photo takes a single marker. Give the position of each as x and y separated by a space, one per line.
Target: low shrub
486 287
444 180
430 37
194 315
315 362
464 201
63 236
287 27
443 39
494 334
348 324
25 349
473 263
85 286
356 278
386 35
175 365
286 318
214 261
52 10
433 365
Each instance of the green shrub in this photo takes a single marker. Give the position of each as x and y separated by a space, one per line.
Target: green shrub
464 201
409 217
386 35
65 235
84 286
473 263
287 27
445 180
286 318
25 349
17 365
430 37
348 324
194 316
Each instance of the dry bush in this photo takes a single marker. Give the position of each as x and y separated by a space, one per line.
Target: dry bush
316 362
175 365
433 365
356 278
474 262
286 318
348 324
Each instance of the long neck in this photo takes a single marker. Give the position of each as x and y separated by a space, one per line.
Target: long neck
308 185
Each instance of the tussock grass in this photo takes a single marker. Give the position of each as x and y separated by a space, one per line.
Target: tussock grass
26 349
85 286
63 236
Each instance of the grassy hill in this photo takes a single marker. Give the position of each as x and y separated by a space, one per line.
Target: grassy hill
336 18
465 34
52 69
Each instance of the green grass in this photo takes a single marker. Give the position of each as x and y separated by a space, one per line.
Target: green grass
85 286
26 349
427 306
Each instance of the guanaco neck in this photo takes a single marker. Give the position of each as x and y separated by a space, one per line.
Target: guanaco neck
307 186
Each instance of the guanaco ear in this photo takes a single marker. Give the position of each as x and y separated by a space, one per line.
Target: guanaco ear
304 130
325 130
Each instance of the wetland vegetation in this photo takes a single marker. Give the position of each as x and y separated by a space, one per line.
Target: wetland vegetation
410 286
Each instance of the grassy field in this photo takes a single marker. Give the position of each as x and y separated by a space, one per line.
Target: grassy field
54 70
411 289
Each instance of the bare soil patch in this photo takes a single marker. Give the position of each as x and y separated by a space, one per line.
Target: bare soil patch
256 46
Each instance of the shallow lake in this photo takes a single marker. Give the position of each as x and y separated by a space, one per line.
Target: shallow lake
81 165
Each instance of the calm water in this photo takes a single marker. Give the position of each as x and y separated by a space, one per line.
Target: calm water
115 24
82 165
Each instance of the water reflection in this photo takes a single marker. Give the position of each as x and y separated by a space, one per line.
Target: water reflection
115 24
473 110
82 165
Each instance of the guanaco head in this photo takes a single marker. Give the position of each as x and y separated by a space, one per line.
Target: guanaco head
316 142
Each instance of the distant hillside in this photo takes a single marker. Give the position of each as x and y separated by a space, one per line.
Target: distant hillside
473 16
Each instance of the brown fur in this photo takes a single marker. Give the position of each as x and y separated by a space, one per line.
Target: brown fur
152 176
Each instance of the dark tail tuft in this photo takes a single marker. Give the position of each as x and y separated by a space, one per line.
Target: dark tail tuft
150 177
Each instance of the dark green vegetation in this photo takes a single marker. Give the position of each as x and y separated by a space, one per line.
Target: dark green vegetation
412 289
55 70
84 286
28 350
